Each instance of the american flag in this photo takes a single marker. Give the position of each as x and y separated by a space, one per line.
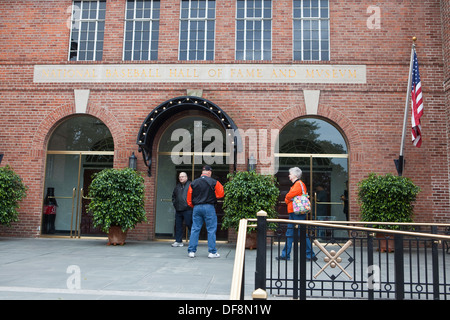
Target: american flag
416 104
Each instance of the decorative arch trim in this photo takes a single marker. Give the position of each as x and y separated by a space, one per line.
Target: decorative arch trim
169 108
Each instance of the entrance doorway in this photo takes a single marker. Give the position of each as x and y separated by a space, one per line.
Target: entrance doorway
319 149
174 156
78 148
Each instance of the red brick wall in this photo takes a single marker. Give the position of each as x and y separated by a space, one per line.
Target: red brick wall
370 115
445 14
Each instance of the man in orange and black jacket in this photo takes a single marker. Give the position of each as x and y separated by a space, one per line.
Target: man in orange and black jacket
202 196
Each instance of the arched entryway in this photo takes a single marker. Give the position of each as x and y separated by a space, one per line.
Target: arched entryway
174 157
78 148
320 150
191 132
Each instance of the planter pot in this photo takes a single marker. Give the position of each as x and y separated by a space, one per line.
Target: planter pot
251 240
116 236
386 242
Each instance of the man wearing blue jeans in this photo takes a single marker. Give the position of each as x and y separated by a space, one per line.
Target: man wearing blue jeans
202 196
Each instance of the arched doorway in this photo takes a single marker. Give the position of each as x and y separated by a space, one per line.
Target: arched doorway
194 117
78 148
185 146
320 150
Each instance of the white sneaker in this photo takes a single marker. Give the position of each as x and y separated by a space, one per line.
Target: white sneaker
191 254
213 255
177 244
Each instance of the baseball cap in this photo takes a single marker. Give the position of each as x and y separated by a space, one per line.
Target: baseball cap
207 168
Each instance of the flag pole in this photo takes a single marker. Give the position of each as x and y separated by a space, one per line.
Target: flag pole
399 163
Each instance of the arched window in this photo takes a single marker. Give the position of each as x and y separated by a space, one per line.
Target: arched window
320 150
77 148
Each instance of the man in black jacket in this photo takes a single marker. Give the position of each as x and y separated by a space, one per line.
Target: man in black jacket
202 196
183 212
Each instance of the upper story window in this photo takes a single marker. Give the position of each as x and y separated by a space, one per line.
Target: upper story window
311 30
254 30
197 28
87 32
141 30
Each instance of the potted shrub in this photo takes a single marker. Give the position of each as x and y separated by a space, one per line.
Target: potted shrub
387 198
246 193
117 203
12 191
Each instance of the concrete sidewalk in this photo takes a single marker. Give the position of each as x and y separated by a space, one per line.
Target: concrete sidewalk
67 269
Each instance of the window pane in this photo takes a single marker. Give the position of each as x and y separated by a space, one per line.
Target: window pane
87 30
197 29
253 25
311 22
142 28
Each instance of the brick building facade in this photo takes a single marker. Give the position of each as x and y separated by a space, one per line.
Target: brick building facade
331 76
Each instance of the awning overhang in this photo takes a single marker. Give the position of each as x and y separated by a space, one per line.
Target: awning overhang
169 108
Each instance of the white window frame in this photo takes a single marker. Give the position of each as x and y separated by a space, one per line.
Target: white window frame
78 22
193 55
153 22
262 19
301 33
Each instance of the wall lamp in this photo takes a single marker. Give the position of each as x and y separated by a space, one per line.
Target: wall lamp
132 162
252 163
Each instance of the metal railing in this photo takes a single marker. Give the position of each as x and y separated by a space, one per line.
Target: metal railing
352 262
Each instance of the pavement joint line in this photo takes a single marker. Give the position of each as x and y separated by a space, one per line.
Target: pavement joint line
125 293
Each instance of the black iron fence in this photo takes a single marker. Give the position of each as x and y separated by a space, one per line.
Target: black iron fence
353 260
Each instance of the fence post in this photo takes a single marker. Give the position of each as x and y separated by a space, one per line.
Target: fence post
399 268
435 264
370 263
303 262
261 251
295 262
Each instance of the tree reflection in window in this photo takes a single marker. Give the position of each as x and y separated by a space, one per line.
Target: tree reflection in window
81 133
312 136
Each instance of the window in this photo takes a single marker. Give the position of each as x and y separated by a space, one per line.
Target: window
197 27
141 30
311 30
320 150
254 30
88 24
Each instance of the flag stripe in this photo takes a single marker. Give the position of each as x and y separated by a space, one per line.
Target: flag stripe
416 104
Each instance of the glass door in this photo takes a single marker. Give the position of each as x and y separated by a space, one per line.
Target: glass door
68 176
167 179
78 148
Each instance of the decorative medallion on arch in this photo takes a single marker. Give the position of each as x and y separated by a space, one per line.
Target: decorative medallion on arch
169 108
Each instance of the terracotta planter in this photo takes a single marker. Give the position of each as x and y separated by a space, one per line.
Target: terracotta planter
251 240
386 242
116 236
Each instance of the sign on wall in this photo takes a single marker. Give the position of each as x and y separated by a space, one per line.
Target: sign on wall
210 73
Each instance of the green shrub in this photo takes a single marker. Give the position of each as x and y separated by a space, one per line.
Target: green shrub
387 198
246 193
12 191
117 199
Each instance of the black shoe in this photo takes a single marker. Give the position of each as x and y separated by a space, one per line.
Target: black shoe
312 259
281 258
